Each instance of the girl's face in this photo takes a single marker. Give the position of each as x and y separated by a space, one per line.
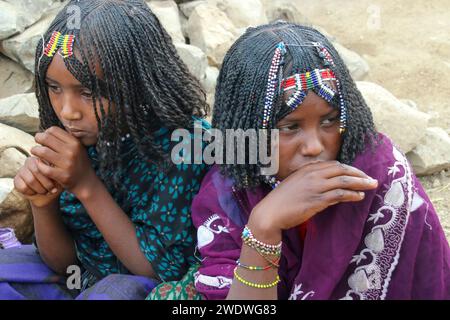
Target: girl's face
307 134
72 102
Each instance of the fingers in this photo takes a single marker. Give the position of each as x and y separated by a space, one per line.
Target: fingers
350 183
340 169
60 134
47 154
49 140
342 195
22 187
53 173
47 183
32 182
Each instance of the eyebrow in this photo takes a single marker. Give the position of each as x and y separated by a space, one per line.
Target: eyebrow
70 86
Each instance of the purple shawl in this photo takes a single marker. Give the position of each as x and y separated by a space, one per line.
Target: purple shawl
388 246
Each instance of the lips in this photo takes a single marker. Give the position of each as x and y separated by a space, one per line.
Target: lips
77 133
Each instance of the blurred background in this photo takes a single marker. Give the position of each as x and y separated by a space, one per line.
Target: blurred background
398 51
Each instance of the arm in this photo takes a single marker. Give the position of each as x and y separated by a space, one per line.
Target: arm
115 226
55 244
69 165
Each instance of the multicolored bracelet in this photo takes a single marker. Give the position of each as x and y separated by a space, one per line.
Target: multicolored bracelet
261 247
256 285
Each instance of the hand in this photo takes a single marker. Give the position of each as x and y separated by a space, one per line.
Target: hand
308 191
67 161
34 186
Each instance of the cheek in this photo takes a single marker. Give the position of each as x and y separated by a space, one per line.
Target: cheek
332 144
288 147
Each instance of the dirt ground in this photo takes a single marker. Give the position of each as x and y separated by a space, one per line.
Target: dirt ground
407 45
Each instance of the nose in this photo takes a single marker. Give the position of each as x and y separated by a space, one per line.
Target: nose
69 110
311 145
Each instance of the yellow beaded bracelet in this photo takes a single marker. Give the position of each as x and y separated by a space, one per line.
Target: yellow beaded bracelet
256 285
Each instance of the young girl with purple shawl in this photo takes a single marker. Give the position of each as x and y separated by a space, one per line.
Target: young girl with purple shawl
344 218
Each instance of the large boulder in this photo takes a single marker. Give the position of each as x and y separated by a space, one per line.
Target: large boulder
432 154
243 13
17 15
22 48
11 160
11 21
168 14
12 137
194 58
403 124
14 78
15 211
210 29
188 7
20 111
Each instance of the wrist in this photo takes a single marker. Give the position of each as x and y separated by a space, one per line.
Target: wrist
263 228
40 205
86 190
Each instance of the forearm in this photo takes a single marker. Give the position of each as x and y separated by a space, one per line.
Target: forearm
56 246
116 227
251 257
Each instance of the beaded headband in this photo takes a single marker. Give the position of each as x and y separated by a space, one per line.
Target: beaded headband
58 41
302 83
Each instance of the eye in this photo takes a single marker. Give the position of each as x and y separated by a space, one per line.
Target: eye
288 128
329 122
53 88
87 94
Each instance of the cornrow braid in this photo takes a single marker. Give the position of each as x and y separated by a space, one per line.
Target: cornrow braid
123 55
242 83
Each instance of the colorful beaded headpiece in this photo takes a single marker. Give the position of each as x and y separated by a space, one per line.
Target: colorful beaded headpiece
58 41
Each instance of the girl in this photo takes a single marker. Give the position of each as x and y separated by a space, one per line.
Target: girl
344 217
104 193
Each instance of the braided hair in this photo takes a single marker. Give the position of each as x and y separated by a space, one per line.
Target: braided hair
141 74
242 82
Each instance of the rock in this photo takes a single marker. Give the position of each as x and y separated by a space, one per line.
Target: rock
286 10
21 48
210 80
432 154
17 15
20 111
188 7
15 211
358 67
11 160
243 13
194 58
169 16
404 125
12 137
436 183
212 31
14 78
11 21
